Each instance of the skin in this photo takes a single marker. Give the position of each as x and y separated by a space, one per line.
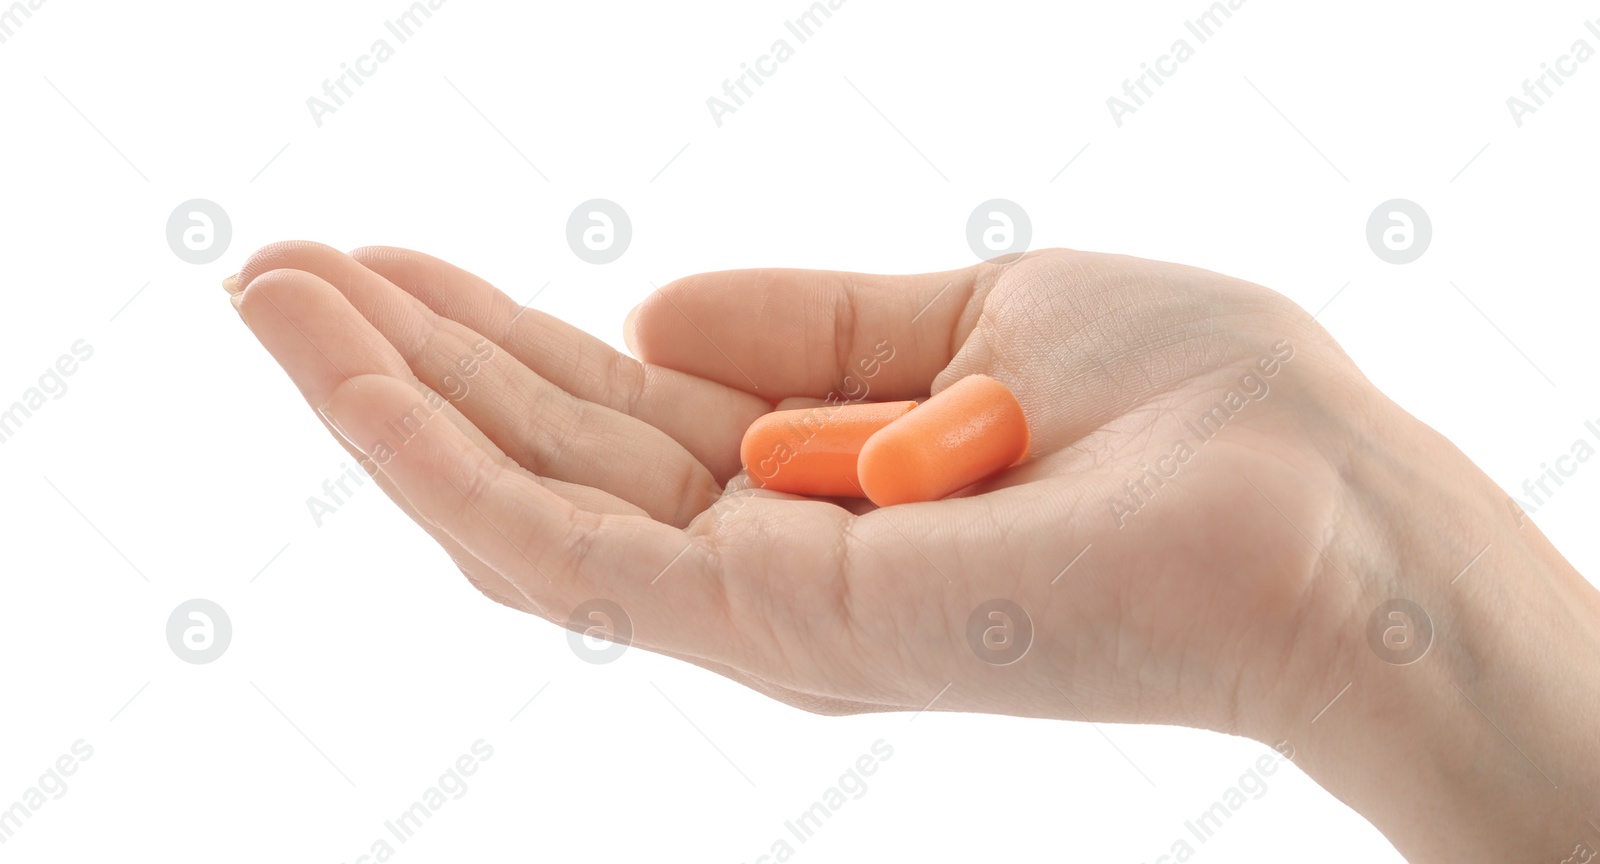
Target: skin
1234 596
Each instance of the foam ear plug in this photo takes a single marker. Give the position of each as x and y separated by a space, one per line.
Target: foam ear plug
812 451
970 430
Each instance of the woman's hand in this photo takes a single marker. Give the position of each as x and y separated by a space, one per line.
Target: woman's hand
1198 536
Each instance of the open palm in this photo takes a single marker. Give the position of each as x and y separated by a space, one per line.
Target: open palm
1153 559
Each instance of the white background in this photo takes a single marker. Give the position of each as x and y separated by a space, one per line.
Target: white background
362 664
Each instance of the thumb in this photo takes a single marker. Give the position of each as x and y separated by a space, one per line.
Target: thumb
808 333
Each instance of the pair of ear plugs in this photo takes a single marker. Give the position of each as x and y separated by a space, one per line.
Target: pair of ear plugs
889 452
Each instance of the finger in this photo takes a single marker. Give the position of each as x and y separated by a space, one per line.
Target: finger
480 575
541 426
778 610
320 340
268 322
708 419
813 333
556 554
560 557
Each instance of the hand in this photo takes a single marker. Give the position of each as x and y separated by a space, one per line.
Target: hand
1186 541
565 471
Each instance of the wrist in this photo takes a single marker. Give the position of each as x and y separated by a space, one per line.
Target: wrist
1448 692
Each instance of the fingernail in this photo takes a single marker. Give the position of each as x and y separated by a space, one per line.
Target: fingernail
232 284
328 416
628 325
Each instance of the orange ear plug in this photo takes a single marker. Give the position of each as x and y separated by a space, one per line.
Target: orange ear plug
812 451
972 429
